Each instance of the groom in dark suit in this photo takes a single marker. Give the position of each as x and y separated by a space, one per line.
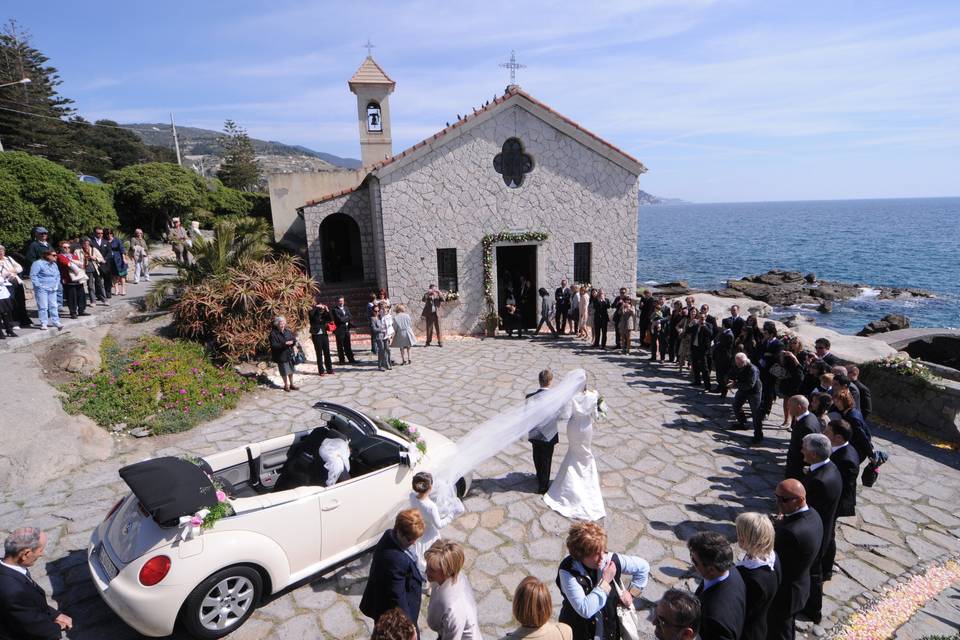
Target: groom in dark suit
24 612
395 580
543 438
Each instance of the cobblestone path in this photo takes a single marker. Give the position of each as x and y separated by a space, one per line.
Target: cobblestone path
667 465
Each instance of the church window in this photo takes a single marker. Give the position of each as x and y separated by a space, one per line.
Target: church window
374 121
512 163
447 269
581 261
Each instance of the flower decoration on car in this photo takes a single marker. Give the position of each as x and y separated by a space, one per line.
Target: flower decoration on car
205 518
410 433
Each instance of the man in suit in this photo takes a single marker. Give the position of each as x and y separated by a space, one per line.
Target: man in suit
395 580
343 322
769 350
866 398
700 344
648 302
431 313
822 347
747 381
799 534
601 318
824 485
102 244
617 306
847 460
543 438
677 616
24 612
802 423
722 594
734 322
561 298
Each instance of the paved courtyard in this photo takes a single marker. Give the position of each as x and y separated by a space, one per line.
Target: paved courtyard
667 465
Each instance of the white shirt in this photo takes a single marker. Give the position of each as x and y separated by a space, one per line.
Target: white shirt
817 465
15 567
802 416
835 449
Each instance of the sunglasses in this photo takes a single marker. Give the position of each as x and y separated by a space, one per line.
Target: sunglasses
784 499
660 621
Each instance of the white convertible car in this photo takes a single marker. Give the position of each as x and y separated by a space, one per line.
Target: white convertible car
286 524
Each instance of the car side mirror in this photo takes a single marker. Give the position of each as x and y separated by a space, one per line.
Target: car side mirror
404 458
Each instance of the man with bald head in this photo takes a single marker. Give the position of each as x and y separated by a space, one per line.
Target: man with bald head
799 534
24 612
802 423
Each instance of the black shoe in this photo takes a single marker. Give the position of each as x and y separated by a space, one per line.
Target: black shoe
740 426
73 316
83 313
11 334
758 440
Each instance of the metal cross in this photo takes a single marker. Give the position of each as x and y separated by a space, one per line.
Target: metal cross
513 65
369 46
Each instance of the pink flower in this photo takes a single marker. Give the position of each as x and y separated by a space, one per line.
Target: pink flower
196 521
221 496
183 392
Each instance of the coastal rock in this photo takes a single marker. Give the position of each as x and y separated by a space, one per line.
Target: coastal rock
796 319
903 293
889 322
675 288
783 294
825 306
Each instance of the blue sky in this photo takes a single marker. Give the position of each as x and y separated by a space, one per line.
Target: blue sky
723 101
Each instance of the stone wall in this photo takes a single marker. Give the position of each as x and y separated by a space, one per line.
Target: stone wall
452 196
288 191
356 205
912 403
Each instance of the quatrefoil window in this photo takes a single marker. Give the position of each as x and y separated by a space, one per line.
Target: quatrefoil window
512 163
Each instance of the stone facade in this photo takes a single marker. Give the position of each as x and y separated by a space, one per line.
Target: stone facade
916 404
355 204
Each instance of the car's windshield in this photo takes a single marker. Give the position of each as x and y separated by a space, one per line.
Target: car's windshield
383 425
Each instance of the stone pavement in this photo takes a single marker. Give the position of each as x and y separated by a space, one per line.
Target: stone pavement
667 465
940 617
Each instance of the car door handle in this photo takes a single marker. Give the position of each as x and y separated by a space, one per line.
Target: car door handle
330 506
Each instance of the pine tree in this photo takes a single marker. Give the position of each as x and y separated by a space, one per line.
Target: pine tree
239 169
32 115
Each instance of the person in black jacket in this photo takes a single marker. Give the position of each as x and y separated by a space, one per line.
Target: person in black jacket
343 322
866 398
282 344
760 570
647 304
723 359
799 534
802 423
822 347
601 318
848 464
561 306
543 438
734 321
747 380
24 612
722 593
701 332
320 317
395 580
769 351
824 486
617 306
677 616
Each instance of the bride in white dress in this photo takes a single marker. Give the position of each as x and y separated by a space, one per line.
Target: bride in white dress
575 493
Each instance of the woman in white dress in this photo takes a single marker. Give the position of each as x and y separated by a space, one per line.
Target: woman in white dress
575 493
420 500
403 338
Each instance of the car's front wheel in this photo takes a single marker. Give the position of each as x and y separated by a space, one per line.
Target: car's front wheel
222 602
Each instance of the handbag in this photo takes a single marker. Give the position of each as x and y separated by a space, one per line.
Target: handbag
299 357
628 616
77 276
331 326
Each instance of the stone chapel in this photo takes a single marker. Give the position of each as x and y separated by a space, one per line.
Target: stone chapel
511 191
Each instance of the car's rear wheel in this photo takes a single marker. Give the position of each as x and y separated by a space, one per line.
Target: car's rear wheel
461 487
222 602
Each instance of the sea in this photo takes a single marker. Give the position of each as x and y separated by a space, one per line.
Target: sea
910 242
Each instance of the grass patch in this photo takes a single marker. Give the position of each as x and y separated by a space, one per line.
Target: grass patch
164 385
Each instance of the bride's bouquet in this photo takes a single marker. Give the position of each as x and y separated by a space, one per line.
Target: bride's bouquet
601 407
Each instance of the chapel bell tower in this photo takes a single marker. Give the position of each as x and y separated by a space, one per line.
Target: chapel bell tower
373 87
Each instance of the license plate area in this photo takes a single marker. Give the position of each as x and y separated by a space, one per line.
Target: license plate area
109 568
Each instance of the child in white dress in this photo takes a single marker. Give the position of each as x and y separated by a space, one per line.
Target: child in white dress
420 500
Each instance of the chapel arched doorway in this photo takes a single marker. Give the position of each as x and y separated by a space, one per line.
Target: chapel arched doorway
341 248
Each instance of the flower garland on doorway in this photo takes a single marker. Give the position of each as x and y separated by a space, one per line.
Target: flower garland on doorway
491 239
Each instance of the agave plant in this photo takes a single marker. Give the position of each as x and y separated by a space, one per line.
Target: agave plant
234 241
233 310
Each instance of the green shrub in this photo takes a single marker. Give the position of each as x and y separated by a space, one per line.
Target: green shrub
163 385
224 201
36 191
259 204
148 195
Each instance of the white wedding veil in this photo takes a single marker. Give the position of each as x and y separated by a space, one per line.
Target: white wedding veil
496 434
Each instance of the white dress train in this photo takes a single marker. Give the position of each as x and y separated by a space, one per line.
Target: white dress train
575 493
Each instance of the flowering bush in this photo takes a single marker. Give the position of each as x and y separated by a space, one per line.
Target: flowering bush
903 366
163 385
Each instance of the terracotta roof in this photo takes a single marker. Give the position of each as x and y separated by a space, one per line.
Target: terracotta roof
513 91
331 196
370 73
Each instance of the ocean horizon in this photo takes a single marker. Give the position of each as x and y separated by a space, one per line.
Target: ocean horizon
896 242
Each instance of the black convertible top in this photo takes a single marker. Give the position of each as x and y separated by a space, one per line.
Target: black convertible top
169 487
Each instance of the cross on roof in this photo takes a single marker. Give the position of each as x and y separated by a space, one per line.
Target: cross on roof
513 65
369 47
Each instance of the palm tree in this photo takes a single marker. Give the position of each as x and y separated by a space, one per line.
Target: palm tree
233 241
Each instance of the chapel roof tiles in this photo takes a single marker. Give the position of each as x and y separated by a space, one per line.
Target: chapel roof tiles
370 73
